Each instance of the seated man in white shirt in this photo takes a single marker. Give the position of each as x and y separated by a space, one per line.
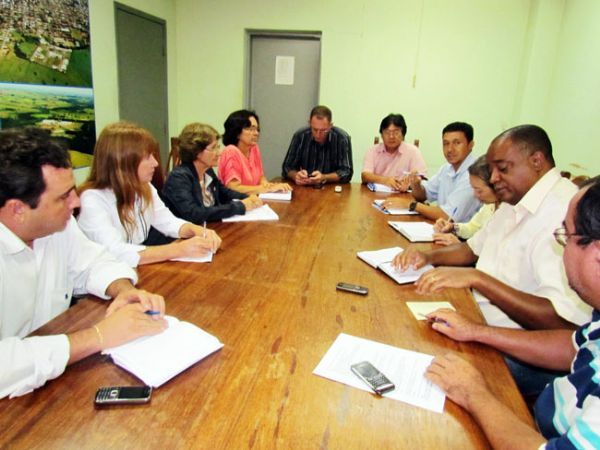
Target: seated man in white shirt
519 279
449 188
44 259
567 413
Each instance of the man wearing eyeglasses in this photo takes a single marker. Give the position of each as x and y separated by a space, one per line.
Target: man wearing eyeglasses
568 410
319 153
390 162
518 279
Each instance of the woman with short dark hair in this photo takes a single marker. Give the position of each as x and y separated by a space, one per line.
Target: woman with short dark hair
240 166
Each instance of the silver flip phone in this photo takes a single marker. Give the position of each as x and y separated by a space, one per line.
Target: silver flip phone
372 377
122 395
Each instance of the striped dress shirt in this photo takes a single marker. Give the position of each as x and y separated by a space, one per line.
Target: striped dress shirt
335 155
568 410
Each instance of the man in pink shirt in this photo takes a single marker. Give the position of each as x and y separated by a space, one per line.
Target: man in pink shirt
389 163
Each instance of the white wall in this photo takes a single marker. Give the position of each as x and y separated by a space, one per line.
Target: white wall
493 63
574 106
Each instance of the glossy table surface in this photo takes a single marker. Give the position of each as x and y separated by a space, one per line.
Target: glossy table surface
269 295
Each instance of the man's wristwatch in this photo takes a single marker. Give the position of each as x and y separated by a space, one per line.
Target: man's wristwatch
413 206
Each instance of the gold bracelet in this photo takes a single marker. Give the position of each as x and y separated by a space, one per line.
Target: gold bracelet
99 335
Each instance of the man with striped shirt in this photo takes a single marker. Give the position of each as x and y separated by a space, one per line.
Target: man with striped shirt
319 153
568 410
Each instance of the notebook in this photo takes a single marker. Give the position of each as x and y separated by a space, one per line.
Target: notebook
414 231
156 359
382 259
206 258
377 187
392 211
421 309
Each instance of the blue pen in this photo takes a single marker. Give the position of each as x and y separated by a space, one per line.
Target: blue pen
151 312
453 213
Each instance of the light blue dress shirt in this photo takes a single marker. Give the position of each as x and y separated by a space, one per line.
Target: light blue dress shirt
453 192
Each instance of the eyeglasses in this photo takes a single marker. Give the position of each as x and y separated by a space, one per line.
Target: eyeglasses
561 236
391 133
214 146
252 129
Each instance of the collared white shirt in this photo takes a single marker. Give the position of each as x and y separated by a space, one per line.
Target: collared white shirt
36 285
518 248
99 220
452 191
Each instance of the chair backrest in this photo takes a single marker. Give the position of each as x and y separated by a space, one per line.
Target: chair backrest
173 160
158 179
417 142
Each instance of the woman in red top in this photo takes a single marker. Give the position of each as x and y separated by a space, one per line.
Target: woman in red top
240 165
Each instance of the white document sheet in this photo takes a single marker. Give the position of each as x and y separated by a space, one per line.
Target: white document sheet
421 309
263 213
279 196
393 211
156 359
404 368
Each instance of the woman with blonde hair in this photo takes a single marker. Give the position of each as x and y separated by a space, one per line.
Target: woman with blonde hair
119 205
193 191
446 232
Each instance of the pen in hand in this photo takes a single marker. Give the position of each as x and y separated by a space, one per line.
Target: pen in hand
433 319
204 234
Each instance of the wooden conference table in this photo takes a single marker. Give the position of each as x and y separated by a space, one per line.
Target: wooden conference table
269 295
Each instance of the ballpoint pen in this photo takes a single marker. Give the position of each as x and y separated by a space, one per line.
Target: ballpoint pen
204 234
433 319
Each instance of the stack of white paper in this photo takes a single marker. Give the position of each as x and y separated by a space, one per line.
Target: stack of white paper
263 213
393 211
157 359
414 231
281 196
199 259
404 368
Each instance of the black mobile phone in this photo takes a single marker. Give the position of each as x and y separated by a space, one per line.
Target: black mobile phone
318 186
372 377
354 288
123 395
